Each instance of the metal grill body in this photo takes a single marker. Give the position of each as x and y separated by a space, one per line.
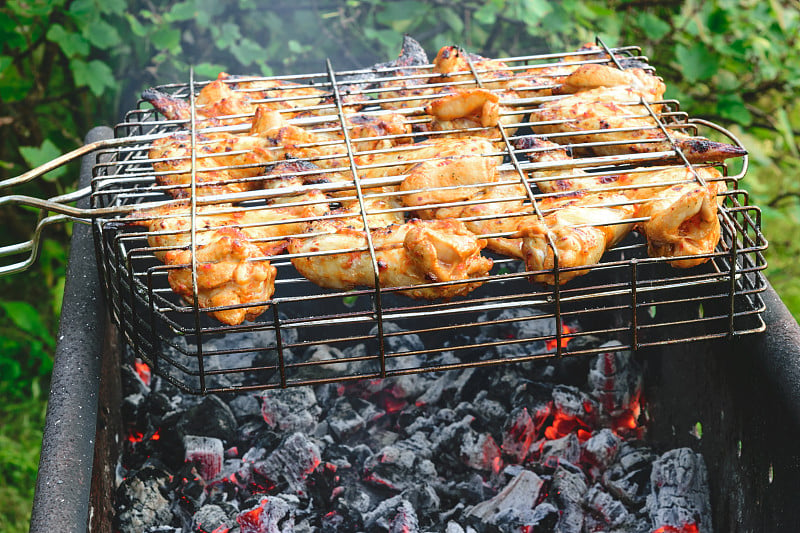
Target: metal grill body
376 332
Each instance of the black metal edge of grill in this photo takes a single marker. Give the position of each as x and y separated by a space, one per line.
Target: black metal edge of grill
80 420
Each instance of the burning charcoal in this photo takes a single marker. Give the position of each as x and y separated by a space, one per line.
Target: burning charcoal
140 504
397 468
569 487
452 527
573 407
601 448
292 461
411 54
206 453
481 452
390 515
292 409
519 495
449 384
609 512
629 477
615 380
557 451
210 418
405 520
190 489
519 435
425 501
211 518
679 493
269 516
343 420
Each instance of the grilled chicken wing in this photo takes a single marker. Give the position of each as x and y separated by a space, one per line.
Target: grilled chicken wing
233 248
582 229
614 117
413 254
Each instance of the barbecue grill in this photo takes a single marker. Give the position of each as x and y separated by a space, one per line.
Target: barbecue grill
650 307
628 295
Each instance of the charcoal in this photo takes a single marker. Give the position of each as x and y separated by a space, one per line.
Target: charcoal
424 499
571 401
615 380
210 518
206 453
405 519
555 452
291 462
569 487
269 516
610 512
292 409
679 491
532 394
140 504
628 479
244 407
518 496
210 418
519 434
488 413
452 527
411 54
132 382
190 487
481 452
449 385
451 436
343 420
601 449
397 468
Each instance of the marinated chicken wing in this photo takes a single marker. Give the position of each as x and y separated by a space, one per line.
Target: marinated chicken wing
472 112
413 254
233 248
594 75
683 223
615 118
581 231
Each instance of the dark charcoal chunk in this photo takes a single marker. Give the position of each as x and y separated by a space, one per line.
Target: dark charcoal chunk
210 418
292 409
343 420
555 452
679 493
519 434
398 468
601 449
569 487
629 477
519 496
615 380
609 512
211 517
291 462
140 504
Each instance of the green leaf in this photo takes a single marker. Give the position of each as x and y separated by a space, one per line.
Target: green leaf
182 11
731 106
247 51
535 9
208 70
36 156
113 7
167 39
486 14
26 317
652 26
696 63
71 43
103 35
136 27
95 74
5 62
82 9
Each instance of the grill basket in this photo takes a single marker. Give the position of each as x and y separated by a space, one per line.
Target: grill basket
311 335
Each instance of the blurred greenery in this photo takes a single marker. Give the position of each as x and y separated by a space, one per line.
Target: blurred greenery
68 65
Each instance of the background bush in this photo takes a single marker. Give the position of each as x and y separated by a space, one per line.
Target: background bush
66 66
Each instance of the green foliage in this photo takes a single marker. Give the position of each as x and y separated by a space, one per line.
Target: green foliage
68 65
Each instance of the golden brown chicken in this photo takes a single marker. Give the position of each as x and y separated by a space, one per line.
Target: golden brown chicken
582 228
413 255
233 248
613 121
472 113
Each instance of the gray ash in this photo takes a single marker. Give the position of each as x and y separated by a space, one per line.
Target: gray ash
509 448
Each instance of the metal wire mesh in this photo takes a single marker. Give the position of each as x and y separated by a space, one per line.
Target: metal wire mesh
305 334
